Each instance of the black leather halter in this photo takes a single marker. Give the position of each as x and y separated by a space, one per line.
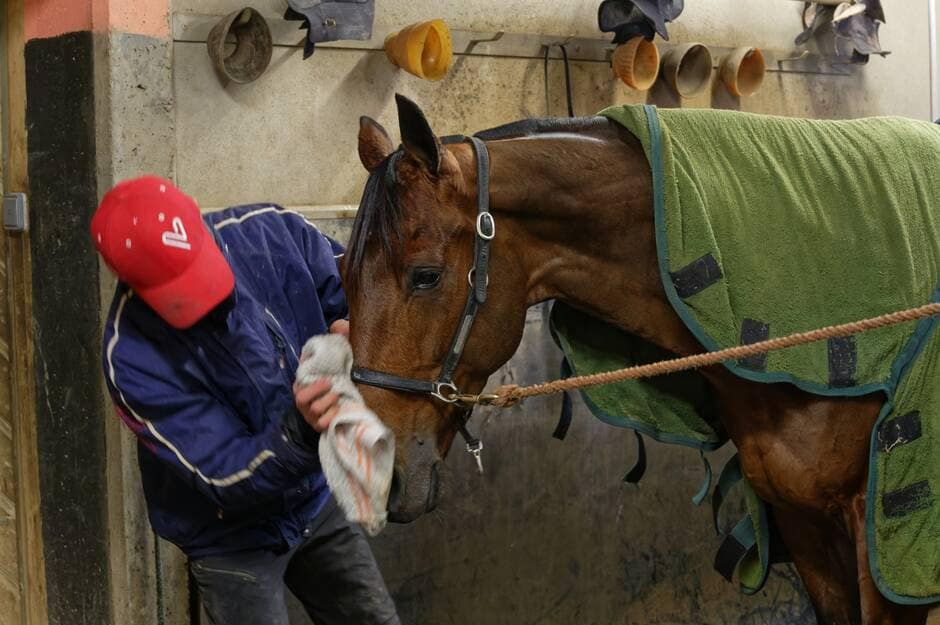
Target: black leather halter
444 388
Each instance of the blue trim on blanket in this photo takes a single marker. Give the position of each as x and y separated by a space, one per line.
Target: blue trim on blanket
915 345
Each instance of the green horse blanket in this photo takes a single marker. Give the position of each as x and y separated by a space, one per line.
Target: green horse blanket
766 226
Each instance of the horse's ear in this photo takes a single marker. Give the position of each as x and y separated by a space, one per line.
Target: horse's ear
416 134
374 143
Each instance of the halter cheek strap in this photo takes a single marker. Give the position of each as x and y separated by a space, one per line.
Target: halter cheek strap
444 388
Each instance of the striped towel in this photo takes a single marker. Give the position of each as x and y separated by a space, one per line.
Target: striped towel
357 452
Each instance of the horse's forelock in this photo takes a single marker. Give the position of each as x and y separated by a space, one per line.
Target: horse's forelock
379 216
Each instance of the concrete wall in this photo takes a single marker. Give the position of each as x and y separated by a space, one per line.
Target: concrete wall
134 98
550 534
135 111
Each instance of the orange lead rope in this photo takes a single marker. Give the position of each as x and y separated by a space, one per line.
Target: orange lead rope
512 394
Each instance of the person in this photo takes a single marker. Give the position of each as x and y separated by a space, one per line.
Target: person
200 350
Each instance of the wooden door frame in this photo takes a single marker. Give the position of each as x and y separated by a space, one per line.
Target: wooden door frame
19 281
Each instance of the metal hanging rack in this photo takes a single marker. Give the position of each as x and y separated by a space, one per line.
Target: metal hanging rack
194 28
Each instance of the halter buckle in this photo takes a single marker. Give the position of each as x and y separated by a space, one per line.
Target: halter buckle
490 232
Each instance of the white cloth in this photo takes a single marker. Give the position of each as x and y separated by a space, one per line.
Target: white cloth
357 452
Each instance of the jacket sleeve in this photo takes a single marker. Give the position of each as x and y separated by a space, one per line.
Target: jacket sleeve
204 441
323 255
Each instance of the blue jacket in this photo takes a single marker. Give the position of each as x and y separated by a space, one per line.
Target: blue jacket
212 405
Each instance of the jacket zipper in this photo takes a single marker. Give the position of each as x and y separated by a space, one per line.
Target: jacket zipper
280 343
279 332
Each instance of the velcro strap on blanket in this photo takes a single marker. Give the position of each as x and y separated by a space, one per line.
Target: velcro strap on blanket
747 547
899 431
734 547
730 476
639 467
696 276
702 493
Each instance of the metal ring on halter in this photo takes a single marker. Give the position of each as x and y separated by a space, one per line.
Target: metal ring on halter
492 224
470 275
450 399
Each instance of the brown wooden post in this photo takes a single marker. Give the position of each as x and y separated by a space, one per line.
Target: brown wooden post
18 286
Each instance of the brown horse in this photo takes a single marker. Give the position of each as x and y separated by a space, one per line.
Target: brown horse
570 229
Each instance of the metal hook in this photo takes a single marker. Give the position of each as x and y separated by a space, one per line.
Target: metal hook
475 450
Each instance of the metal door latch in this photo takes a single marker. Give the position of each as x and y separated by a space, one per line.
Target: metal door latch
15 215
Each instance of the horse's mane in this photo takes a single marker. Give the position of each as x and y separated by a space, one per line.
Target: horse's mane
379 214
542 125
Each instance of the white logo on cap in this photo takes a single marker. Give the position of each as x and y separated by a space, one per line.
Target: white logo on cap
178 237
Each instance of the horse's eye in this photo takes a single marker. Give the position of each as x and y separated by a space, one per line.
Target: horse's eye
425 278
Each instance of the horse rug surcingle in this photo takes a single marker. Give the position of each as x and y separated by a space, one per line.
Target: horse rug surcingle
766 226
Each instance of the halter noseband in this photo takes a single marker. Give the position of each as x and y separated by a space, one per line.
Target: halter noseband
444 388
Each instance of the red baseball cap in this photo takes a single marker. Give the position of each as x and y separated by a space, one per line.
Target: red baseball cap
152 236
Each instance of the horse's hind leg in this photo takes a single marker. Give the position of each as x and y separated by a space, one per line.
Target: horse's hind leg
875 609
831 556
825 559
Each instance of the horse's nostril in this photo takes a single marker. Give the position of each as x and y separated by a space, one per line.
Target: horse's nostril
394 492
434 484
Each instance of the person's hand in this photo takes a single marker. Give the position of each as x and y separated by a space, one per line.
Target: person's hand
317 403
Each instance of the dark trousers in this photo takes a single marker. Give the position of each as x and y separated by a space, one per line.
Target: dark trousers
332 572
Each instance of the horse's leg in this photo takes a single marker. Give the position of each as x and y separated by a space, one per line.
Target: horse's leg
808 457
825 559
876 610
831 556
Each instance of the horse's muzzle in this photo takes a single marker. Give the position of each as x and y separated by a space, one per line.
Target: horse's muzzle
416 487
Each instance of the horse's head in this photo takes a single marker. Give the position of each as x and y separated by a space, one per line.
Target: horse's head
406 274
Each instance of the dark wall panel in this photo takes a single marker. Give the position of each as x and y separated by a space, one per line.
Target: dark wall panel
63 197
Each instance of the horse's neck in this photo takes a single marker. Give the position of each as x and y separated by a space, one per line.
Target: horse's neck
579 209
